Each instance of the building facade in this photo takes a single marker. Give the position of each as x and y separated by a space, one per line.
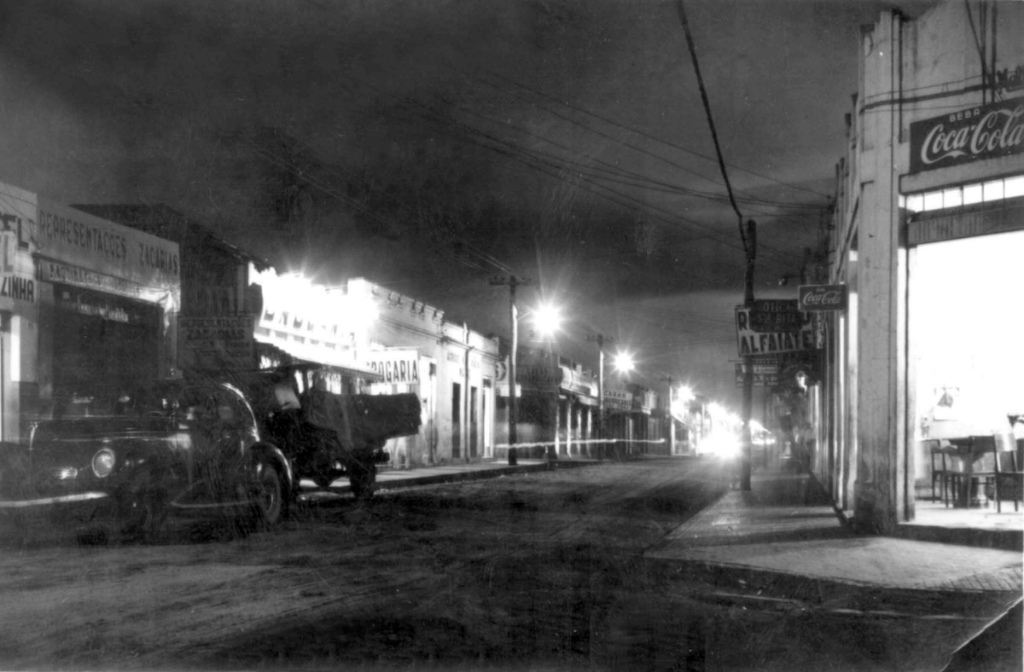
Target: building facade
219 303
928 237
89 310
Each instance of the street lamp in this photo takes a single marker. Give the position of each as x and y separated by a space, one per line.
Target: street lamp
547 319
623 362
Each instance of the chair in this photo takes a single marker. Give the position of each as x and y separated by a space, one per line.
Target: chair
1003 469
942 473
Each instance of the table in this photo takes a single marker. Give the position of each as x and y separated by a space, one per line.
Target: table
969 449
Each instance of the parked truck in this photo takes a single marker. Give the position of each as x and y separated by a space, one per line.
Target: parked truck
327 436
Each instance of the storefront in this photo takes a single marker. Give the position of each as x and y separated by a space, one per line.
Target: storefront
218 303
452 367
928 239
19 312
964 330
108 300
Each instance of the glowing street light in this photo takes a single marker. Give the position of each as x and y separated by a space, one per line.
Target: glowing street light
623 362
547 319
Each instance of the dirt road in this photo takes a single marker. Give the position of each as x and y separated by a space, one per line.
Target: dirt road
536 571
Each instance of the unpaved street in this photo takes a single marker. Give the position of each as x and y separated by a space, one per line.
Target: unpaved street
536 571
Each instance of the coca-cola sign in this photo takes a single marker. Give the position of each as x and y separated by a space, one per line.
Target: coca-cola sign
969 135
822 297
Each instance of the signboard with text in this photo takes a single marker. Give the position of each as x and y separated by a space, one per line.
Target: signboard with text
217 342
618 400
973 134
773 328
822 297
762 377
85 246
396 366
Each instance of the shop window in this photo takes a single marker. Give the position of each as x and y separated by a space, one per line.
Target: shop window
952 198
933 200
972 194
993 191
1014 187
915 202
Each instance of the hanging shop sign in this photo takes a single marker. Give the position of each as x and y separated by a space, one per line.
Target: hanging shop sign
974 134
396 366
216 342
762 334
822 298
776 315
763 376
83 244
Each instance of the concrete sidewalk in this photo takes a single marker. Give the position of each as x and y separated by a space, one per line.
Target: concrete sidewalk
785 537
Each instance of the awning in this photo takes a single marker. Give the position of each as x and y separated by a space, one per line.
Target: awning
284 357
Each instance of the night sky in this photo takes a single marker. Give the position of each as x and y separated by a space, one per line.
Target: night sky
431 146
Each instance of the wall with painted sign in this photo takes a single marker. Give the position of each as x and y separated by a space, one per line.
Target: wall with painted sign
19 312
94 253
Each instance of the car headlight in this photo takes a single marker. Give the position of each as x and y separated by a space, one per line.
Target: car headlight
103 462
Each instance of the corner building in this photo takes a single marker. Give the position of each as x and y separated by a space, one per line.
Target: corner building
928 237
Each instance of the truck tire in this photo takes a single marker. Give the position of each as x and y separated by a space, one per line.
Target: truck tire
361 478
268 498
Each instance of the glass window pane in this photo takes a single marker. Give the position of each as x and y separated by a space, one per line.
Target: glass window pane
951 198
915 202
1013 186
972 194
993 191
933 200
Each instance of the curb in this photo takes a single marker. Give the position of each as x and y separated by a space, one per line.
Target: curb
835 594
333 495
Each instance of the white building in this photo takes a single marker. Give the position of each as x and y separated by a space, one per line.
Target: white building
928 237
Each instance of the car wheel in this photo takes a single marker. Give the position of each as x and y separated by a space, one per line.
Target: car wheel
143 513
267 496
361 478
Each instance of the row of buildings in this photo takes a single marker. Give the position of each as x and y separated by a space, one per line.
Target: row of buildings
928 239
97 300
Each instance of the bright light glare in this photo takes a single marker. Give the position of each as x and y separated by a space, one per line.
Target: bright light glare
547 319
684 394
721 444
623 362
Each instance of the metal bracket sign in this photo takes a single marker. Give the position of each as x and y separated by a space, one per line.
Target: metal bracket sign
822 297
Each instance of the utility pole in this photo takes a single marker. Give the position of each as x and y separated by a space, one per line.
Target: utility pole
600 339
749 238
513 402
750 247
671 418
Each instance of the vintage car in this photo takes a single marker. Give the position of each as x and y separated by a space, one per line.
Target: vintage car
183 448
